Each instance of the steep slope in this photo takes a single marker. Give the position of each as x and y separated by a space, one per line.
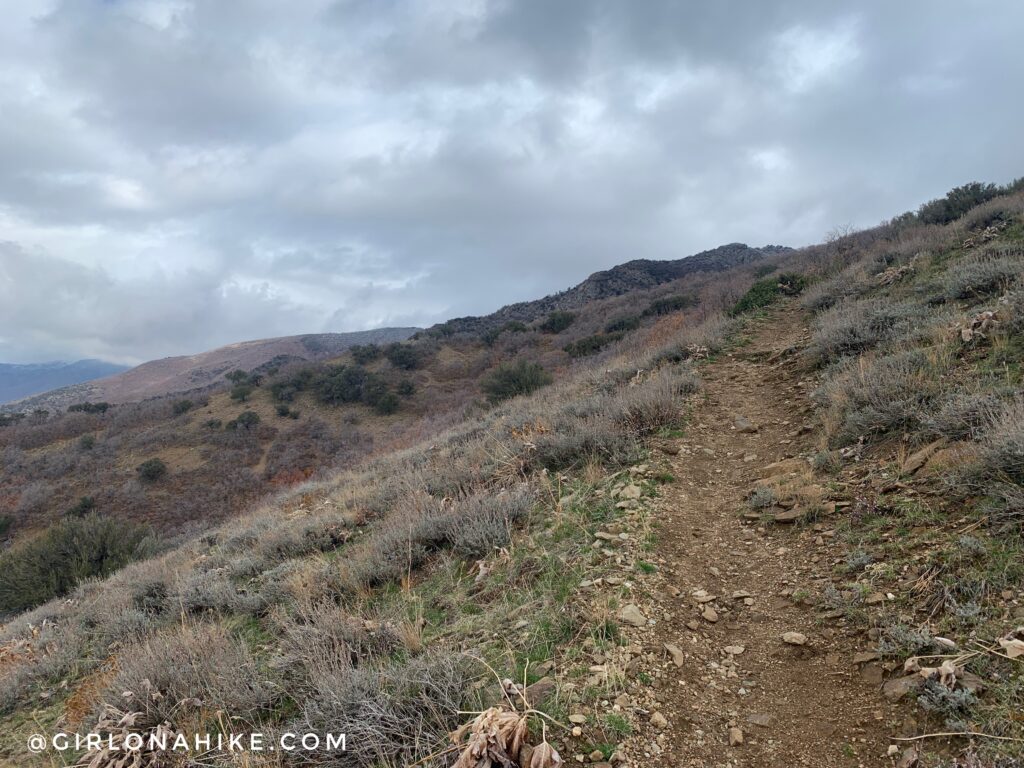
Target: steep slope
20 381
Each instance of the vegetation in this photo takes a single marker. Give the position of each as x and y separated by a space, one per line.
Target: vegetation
768 290
557 322
68 552
151 470
512 379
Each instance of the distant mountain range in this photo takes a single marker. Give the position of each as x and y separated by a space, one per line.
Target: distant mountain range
185 373
18 381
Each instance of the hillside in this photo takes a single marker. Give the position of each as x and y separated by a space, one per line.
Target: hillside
640 274
769 514
191 373
20 381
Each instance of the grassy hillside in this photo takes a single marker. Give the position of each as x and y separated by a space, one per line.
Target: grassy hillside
394 596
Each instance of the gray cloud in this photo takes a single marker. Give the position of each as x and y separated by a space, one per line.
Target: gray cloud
176 174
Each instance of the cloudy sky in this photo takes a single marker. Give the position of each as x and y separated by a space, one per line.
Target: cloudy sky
180 174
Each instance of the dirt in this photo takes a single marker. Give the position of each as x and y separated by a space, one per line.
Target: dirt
793 704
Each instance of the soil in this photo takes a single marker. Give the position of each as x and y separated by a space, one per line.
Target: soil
805 704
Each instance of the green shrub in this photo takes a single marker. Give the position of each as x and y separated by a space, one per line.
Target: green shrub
365 353
387 403
151 470
623 324
590 345
182 406
213 423
283 411
557 322
75 548
87 442
512 379
7 419
956 203
670 304
89 407
767 291
84 506
406 388
403 356
245 420
241 392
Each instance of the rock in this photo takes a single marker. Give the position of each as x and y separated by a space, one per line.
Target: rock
873 673
537 692
790 515
596 756
693 626
865 657
739 594
709 614
744 425
658 721
897 688
794 638
630 492
578 719
918 459
759 719
735 737
875 598
576 731
632 615
670 448
676 653
734 650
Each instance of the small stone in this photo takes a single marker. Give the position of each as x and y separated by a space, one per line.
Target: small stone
693 626
744 425
578 719
734 650
577 731
632 615
676 653
759 719
709 614
735 737
794 638
631 492
596 756
658 721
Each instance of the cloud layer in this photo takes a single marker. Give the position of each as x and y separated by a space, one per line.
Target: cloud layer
179 174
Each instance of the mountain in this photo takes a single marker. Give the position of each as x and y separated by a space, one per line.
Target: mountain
195 372
18 381
630 276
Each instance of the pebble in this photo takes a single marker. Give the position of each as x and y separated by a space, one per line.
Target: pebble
735 737
676 653
709 614
632 615
658 721
794 638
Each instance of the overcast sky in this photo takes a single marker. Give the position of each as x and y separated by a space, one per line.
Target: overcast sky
180 174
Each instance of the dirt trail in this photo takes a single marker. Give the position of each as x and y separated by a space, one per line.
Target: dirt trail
795 705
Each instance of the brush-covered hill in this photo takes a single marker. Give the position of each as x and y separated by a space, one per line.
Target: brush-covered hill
501 548
229 426
21 381
194 373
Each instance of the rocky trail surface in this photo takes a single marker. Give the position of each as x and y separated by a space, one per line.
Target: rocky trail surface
746 672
